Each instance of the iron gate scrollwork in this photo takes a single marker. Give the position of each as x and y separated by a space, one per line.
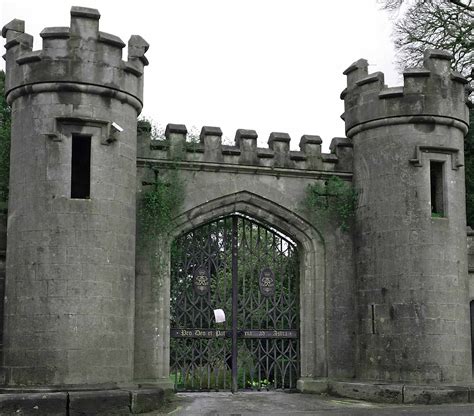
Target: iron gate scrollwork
251 272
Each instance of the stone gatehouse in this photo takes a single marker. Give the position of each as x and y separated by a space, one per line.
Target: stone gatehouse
386 299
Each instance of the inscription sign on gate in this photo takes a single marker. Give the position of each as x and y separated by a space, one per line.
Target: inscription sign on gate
201 280
244 333
267 282
199 333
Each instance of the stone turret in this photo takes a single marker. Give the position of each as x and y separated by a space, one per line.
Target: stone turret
71 229
410 237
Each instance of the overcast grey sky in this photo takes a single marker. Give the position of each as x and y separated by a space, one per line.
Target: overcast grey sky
268 65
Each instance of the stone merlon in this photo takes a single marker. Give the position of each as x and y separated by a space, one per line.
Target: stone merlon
368 100
245 151
79 54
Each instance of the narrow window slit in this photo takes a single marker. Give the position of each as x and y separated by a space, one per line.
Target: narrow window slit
372 307
81 167
471 305
437 189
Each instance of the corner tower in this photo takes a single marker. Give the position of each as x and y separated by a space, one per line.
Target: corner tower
71 228
410 222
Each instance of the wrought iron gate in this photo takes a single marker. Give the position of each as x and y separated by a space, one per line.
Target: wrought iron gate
251 272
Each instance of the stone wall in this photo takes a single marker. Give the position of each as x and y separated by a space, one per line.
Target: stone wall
3 252
268 184
71 261
411 264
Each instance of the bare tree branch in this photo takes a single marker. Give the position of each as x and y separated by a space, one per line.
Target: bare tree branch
438 24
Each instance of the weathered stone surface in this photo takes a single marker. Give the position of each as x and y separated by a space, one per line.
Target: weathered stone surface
71 261
37 404
308 385
434 394
98 403
411 266
383 301
384 393
146 400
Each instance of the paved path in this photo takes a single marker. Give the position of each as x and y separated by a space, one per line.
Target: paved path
283 404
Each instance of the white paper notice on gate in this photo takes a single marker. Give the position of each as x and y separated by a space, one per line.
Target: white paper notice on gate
219 315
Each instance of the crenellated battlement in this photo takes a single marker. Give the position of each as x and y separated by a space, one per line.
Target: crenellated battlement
244 152
431 91
79 54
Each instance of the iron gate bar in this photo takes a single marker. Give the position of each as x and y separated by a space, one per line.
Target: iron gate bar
263 333
235 248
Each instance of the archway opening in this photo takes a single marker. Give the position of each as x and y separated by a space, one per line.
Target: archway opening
249 271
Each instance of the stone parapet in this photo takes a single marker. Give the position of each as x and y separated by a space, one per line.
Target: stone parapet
433 94
79 54
245 152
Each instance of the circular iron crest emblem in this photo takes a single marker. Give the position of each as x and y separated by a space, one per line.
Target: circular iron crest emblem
201 280
267 282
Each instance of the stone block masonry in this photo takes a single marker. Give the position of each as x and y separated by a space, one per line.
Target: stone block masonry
410 248
71 260
82 403
383 303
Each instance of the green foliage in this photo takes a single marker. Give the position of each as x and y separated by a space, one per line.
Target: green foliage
5 131
334 200
259 385
160 203
157 209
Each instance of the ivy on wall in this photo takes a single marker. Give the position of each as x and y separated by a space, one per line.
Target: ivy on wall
5 127
157 208
160 201
333 200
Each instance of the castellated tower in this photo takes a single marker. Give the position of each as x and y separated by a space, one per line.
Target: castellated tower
410 241
71 237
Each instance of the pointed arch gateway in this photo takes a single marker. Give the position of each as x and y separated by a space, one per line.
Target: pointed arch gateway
247 274
305 338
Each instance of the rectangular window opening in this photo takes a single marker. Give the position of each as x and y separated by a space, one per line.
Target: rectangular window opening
471 305
437 188
81 167
372 308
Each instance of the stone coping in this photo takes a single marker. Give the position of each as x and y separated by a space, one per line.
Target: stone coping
405 393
